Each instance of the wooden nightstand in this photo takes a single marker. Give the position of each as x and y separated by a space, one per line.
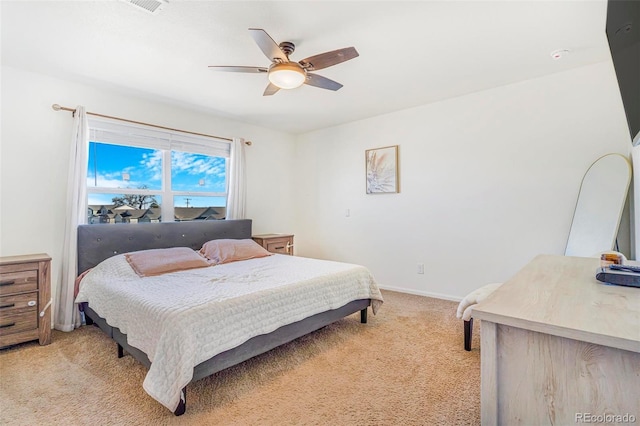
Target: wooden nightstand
25 296
276 243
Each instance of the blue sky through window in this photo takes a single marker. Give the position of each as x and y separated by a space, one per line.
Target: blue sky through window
116 166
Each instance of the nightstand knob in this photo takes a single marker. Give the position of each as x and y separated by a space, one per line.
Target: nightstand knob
31 303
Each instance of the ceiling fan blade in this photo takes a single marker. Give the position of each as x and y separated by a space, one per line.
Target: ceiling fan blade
270 90
238 69
327 59
322 82
267 45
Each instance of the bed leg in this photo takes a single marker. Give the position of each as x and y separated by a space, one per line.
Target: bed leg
87 320
363 316
182 406
468 329
120 351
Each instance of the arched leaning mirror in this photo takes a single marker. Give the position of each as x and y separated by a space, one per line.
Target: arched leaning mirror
599 208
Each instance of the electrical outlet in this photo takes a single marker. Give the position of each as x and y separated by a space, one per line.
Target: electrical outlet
421 268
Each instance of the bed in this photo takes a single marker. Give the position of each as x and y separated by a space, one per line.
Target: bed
188 325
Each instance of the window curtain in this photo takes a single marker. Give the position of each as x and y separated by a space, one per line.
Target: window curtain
236 193
67 316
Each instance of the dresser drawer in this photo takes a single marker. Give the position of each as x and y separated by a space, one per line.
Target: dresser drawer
18 321
281 246
18 281
276 243
16 303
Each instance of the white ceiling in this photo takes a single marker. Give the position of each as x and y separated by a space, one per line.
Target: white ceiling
411 53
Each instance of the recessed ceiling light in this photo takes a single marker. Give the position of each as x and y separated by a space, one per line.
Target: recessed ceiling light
557 54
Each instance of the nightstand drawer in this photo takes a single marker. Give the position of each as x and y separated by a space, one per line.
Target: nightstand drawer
276 243
17 322
278 246
18 281
17 303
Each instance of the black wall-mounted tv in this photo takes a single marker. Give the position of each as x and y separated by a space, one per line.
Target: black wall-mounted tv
623 33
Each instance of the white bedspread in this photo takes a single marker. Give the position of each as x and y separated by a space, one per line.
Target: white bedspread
184 318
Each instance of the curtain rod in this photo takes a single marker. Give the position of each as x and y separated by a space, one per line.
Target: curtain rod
57 107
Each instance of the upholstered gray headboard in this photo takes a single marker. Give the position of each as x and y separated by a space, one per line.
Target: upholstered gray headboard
101 241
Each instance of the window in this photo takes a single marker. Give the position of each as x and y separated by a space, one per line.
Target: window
137 173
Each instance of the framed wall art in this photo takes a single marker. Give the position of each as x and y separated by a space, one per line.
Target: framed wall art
382 170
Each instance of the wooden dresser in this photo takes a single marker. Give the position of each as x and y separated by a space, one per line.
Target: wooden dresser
25 295
276 243
560 347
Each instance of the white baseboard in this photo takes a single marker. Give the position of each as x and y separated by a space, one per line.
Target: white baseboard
422 293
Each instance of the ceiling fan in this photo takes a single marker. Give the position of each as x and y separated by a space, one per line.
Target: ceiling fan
286 74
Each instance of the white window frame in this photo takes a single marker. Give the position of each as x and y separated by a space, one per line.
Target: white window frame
106 131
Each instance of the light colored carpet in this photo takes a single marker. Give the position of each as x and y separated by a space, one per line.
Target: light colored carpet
406 366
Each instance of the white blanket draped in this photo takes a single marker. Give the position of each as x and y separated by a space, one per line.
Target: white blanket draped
184 318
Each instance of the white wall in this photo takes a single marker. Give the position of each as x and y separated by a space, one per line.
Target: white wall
488 181
34 155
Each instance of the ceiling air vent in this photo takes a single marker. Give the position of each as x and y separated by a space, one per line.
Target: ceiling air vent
151 6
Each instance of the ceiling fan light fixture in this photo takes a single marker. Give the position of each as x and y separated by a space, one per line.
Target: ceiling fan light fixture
287 75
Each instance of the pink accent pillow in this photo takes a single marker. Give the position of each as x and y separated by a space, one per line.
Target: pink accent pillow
225 251
147 263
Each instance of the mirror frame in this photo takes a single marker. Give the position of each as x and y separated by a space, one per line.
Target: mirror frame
590 235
